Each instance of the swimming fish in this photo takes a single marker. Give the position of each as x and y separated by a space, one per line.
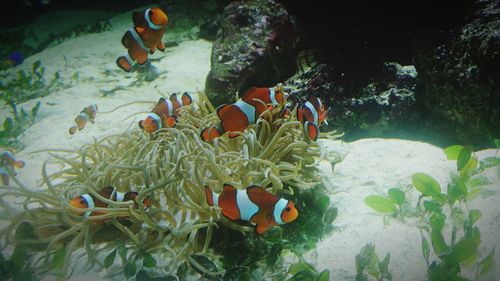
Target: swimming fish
90 201
237 116
8 160
143 38
87 114
15 58
165 113
312 113
253 204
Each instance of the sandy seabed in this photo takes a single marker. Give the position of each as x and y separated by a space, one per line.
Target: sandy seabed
369 166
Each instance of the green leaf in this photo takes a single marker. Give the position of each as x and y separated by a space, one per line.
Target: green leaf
437 221
130 269
301 266
465 248
24 276
35 109
463 157
452 152
110 259
426 251
182 271
25 231
19 257
142 275
205 262
303 276
427 185
58 261
237 273
431 206
330 215
380 204
8 124
383 266
397 196
149 261
122 251
322 204
438 243
274 254
486 264
36 65
474 215
324 275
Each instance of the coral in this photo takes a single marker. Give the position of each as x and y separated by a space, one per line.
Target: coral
171 168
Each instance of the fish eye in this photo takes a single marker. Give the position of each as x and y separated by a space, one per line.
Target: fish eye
150 12
287 209
82 201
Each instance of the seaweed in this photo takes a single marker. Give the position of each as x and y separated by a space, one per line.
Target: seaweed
15 126
28 85
171 167
447 257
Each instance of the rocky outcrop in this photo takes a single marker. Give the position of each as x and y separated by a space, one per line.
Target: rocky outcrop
460 80
381 106
255 46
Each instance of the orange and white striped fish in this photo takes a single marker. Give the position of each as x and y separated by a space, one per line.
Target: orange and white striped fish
253 204
9 161
165 112
312 113
87 114
143 38
90 201
237 116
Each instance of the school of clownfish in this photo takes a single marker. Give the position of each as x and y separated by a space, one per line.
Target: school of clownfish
253 204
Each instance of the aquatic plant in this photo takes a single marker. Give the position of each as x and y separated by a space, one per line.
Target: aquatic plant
436 210
15 126
171 167
395 204
367 261
28 85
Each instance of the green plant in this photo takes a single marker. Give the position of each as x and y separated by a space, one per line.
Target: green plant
13 127
28 85
436 211
395 204
367 261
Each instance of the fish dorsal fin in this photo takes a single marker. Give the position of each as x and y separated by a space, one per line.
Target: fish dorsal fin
162 99
262 198
107 191
186 99
138 19
228 188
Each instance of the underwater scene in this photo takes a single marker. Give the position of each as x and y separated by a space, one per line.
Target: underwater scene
249 140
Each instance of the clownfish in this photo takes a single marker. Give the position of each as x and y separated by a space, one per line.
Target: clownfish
312 113
143 38
164 114
237 116
89 201
7 160
87 114
253 204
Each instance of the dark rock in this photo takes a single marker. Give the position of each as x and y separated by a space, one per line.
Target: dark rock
380 107
460 77
255 46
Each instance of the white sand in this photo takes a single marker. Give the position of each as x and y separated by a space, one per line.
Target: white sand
370 166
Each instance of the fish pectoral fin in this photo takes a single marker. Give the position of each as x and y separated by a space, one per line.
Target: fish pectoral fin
140 30
261 228
161 46
170 121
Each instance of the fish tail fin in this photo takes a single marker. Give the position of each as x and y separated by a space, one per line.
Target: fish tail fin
312 130
19 164
212 197
210 133
307 60
124 63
